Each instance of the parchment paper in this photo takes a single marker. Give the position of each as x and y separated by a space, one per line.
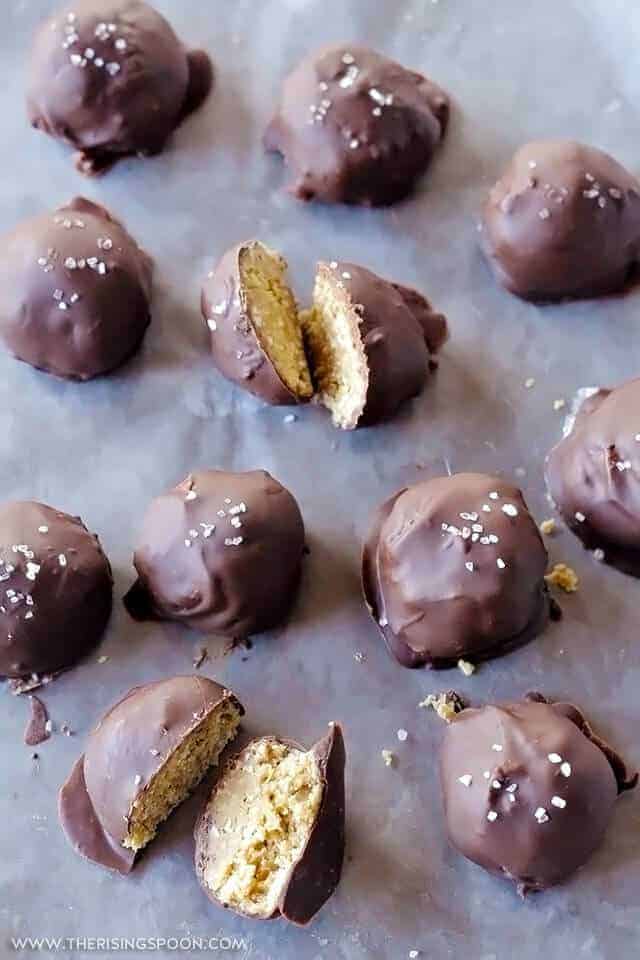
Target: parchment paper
515 71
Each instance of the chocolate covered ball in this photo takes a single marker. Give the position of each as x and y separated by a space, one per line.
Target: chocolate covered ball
369 343
75 292
270 841
55 589
252 316
355 127
111 78
528 789
563 221
593 476
142 760
221 552
454 568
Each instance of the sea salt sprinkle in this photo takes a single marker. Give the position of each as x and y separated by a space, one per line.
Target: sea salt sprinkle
492 816
559 802
466 780
541 815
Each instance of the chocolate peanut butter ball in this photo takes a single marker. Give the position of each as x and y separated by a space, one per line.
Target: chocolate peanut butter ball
270 841
251 312
55 590
528 789
454 568
75 292
369 343
563 221
363 349
593 476
355 127
142 760
110 78
221 552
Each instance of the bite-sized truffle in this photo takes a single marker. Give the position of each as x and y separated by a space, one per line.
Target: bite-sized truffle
563 221
368 342
528 789
221 552
55 589
355 127
256 340
270 841
75 292
110 78
142 760
454 568
593 476
365 346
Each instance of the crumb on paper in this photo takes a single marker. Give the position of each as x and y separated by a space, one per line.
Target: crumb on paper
388 758
559 404
563 577
359 656
199 656
529 383
402 735
446 704
548 527
467 668
102 659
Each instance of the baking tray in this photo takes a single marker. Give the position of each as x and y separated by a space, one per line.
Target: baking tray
515 71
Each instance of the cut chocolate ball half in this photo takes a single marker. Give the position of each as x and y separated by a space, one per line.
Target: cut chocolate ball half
252 315
270 840
142 760
369 343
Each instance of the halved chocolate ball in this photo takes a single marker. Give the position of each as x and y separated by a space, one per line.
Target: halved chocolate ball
270 841
252 316
453 568
593 476
528 789
363 348
221 552
356 127
75 292
142 760
111 78
563 221
55 590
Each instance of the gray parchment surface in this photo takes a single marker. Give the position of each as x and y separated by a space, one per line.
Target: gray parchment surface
515 71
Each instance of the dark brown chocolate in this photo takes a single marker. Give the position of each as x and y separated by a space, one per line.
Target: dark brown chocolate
38 728
221 552
563 221
55 589
355 127
593 476
398 329
75 292
110 78
454 568
313 878
528 789
124 752
235 346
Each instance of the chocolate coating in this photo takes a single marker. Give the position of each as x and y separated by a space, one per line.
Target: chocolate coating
110 78
74 292
55 589
235 574
548 798
235 348
593 476
433 609
399 330
124 752
314 876
563 221
355 127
